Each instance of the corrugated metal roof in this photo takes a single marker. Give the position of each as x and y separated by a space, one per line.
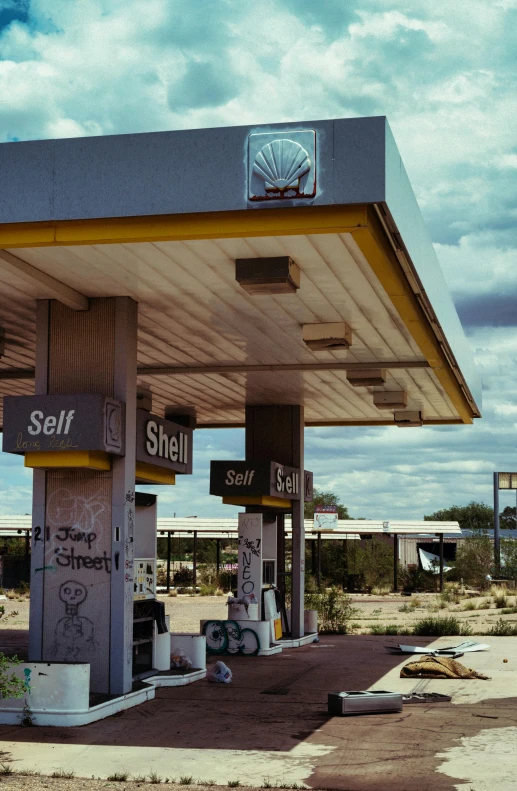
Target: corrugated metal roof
347 528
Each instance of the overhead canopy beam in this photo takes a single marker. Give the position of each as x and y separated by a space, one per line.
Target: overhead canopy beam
198 370
17 373
50 287
333 365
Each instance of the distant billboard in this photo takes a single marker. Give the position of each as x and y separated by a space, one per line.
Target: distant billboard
507 480
325 517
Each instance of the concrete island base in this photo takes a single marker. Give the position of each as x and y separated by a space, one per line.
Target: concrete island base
58 694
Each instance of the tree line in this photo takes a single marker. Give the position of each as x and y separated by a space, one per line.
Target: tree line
474 516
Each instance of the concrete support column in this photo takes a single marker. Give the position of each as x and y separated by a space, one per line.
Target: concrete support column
395 563
275 433
83 519
440 539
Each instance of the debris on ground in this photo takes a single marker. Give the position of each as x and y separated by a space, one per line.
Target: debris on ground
219 673
453 650
426 697
438 667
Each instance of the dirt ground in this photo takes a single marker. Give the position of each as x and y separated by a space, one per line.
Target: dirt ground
371 611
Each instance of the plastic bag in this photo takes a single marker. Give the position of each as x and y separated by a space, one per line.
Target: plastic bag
219 673
180 660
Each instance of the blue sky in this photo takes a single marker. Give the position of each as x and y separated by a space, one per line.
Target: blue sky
443 73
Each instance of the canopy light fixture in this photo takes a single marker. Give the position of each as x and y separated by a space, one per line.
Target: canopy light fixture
372 378
327 337
384 399
407 419
278 275
183 415
144 399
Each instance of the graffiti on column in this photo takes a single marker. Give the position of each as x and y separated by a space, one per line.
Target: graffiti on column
250 550
74 634
78 567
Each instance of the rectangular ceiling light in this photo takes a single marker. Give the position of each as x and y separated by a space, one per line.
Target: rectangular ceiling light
384 399
407 419
330 336
370 378
277 275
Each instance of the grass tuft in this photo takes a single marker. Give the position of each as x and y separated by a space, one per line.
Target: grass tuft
186 780
118 777
66 775
503 628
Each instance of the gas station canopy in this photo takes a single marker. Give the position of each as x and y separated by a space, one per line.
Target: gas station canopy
164 217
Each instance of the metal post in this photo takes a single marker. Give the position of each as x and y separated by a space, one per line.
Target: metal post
395 563
194 561
27 543
313 557
319 562
218 553
441 561
280 554
497 542
168 561
345 564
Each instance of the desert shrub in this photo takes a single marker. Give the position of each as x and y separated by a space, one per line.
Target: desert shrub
470 605
413 578
499 595
474 560
207 575
371 563
207 590
161 575
184 577
380 628
503 628
509 557
439 627
381 590
334 608
10 685
451 594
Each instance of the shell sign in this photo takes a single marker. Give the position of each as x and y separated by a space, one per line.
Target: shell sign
282 165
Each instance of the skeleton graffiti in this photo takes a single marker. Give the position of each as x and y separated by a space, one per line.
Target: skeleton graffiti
79 562
74 634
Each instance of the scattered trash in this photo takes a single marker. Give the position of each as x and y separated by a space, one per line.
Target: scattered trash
426 697
486 716
317 639
453 650
438 667
375 702
505 660
181 660
219 673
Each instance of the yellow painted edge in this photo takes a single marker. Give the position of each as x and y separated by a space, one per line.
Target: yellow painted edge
205 225
272 502
376 249
58 460
150 473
